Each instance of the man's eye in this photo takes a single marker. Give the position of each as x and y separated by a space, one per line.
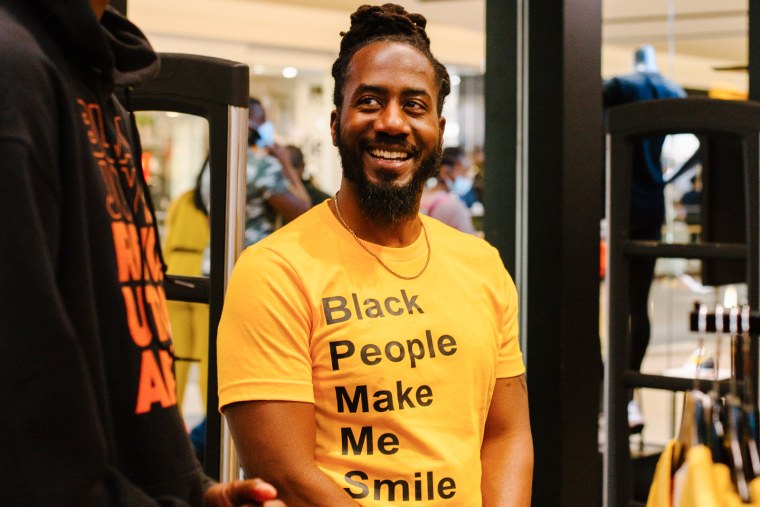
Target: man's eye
415 105
368 101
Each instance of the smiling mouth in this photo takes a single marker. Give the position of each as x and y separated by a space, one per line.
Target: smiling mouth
389 155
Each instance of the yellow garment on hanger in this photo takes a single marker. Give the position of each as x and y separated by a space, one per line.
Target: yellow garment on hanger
754 491
707 484
660 490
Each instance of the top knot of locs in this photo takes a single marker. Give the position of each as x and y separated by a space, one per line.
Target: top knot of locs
370 21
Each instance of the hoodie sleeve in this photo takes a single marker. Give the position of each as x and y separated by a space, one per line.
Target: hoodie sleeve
53 434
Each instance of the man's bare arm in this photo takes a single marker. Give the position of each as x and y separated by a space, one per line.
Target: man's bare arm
276 441
507 450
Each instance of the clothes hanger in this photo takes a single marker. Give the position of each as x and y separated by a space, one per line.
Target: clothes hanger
750 410
703 402
692 431
717 433
734 411
687 432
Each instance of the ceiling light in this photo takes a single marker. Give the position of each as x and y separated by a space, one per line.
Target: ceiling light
289 72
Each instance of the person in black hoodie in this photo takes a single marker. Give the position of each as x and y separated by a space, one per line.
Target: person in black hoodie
89 412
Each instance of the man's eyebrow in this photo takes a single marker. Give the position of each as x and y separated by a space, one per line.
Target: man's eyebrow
367 88
415 92
382 90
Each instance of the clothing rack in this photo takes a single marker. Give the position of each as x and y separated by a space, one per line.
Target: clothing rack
723 127
217 90
715 458
710 321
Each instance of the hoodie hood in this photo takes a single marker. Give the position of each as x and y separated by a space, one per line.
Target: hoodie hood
114 48
134 60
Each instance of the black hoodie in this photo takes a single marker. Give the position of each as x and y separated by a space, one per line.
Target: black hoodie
88 412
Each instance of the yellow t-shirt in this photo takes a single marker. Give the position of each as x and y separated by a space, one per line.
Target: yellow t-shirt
707 484
401 372
662 484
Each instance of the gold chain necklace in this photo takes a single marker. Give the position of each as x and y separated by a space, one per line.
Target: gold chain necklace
383 264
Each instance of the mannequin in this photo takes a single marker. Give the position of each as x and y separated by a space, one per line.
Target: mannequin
647 200
644 60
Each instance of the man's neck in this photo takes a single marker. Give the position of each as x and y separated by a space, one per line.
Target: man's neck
396 235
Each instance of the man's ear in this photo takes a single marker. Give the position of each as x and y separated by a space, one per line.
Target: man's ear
334 126
442 125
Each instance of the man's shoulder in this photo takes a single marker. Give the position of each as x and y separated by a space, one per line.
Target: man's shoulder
301 230
22 55
31 83
298 244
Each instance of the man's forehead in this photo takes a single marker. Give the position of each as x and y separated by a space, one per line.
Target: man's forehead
389 65
382 52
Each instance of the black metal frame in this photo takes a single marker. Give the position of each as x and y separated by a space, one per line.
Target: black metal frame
625 126
543 204
209 88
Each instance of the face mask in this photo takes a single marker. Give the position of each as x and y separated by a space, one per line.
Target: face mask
266 134
461 185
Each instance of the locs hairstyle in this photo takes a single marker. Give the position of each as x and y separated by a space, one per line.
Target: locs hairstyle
389 22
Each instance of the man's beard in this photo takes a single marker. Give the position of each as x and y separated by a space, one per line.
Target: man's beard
383 201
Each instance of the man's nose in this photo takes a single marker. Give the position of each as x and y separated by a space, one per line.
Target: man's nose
392 120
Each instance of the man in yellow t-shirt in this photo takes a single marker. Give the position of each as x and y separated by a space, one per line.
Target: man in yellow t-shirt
368 355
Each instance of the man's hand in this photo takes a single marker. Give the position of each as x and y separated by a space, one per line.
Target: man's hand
248 493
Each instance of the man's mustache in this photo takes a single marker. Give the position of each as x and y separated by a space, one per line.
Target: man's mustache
383 141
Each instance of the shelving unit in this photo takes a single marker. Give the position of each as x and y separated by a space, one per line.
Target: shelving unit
728 132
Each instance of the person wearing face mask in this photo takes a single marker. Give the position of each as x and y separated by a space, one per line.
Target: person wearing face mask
441 198
273 186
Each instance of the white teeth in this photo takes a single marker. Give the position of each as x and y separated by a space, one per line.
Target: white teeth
390 155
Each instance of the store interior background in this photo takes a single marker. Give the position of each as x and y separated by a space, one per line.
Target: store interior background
700 44
692 39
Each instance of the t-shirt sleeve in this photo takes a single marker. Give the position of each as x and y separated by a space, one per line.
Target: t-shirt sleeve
510 362
263 342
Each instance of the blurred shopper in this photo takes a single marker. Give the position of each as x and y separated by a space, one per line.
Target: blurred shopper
441 200
187 238
273 187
